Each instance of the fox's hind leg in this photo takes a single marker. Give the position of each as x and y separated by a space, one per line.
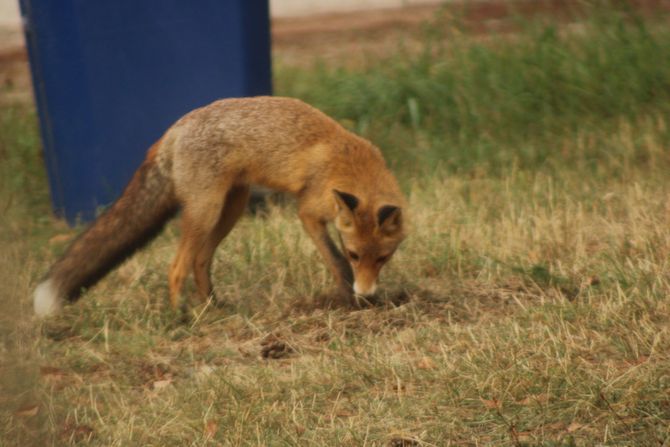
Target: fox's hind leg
235 203
199 219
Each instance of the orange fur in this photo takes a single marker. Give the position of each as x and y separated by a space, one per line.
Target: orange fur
206 162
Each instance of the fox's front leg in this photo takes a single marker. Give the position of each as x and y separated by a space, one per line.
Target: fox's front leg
334 259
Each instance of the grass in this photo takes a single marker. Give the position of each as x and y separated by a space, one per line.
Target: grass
529 306
466 103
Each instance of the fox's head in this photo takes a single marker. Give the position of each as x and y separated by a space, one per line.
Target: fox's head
369 236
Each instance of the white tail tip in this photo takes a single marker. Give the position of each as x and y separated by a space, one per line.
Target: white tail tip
46 300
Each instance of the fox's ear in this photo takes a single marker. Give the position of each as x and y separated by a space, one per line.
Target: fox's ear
345 200
389 218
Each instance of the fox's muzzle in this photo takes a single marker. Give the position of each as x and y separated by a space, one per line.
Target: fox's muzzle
365 289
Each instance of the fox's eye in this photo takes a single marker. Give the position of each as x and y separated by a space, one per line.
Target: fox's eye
383 259
353 256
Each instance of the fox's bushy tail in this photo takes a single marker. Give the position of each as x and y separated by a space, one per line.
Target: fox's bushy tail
146 204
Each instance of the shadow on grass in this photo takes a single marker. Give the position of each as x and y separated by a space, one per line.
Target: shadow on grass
349 302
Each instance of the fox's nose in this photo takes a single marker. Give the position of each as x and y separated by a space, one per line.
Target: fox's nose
363 290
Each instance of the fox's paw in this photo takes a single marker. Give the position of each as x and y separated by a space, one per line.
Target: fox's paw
46 300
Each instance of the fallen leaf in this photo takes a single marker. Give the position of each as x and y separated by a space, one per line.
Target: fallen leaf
57 239
435 349
426 363
638 361
525 401
574 426
524 436
211 428
76 432
492 404
542 398
534 398
27 411
160 384
556 426
51 372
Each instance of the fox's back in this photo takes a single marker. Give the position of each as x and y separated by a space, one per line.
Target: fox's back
261 125
277 142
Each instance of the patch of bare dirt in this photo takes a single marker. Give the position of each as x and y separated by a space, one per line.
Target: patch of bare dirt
15 83
347 39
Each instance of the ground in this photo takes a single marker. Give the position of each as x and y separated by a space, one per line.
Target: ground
528 306
344 38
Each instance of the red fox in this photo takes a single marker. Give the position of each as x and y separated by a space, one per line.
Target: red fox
204 165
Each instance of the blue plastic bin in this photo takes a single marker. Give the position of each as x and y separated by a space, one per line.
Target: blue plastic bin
111 76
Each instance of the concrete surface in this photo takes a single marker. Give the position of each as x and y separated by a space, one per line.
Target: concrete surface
10 16
9 13
293 8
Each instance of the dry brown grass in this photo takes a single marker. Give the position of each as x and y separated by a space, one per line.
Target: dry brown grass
529 306
525 310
